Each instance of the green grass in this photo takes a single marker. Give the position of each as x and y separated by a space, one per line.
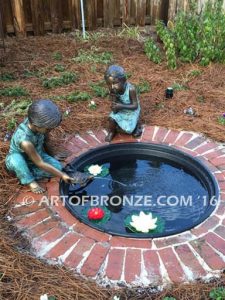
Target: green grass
16 108
7 77
15 91
130 32
143 87
91 56
64 79
99 90
221 120
57 55
217 293
11 125
179 87
59 68
195 73
78 96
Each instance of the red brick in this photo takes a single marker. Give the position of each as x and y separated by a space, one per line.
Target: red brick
148 133
210 223
43 227
196 142
72 147
27 197
127 242
152 266
92 142
217 242
178 239
97 235
220 230
115 264
190 152
222 185
219 176
183 139
48 238
223 222
213 154
221 209
79 143
63 245
188 258
32 219
204 148
160 134
100 135
218 161
52 188
132 268
27 209
172 265
212 168
95 259
64 214
171 137
76 255
211 258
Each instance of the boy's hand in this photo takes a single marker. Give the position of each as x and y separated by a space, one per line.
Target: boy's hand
116 107
67 178
81 178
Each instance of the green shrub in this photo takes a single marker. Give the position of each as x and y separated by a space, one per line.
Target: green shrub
7 77
57 55
143 87
11 125
15 91
152 51
78 96
92 56
217 293
99 90
59 68
16 108
195 36
65 79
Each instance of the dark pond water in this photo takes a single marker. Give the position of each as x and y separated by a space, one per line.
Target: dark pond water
148 184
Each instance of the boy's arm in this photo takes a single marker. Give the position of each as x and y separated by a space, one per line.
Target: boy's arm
31 152
133 99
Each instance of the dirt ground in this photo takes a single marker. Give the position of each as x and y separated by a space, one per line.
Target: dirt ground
202 88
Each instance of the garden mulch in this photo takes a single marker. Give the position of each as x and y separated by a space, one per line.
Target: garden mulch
24 277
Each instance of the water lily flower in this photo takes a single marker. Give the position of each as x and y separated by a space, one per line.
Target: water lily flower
95 170
143 222
44 297
96 213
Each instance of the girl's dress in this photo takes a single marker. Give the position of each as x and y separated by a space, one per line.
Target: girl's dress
126 119
18 162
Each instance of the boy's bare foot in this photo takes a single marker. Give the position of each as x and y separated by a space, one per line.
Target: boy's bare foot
36 188
110 136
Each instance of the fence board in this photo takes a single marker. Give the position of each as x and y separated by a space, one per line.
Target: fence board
108 16
126 8
74 9
172 9
18 17
156 10
141 12
117 13
92 14
56 15
37 8
3 17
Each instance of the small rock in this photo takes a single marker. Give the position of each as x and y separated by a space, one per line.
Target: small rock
190 111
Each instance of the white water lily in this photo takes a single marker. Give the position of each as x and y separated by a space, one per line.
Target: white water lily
44 297
144 222
95 170
116 298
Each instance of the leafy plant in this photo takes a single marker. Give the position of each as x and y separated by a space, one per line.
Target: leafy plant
78 96
64 79
15 91
217 293
99 90
195 36
179 87
7 77
130 32
221 120
28 74
92 56
152 51
57 55
169 298
159 105
143 87
59 68
194 73
16 108
201 99
11 124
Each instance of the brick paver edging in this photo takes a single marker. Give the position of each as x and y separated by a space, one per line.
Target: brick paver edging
60 238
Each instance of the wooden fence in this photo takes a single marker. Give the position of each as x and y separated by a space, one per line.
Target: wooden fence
38 16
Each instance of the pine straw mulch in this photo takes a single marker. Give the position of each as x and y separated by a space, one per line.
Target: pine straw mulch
24 277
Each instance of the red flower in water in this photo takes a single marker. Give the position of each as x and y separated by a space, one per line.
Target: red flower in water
95 213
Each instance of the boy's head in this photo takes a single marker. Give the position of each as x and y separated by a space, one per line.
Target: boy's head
115 78
44 115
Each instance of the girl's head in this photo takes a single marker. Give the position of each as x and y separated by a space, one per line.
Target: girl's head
44 115
115 78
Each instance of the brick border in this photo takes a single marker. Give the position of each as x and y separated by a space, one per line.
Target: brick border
60 238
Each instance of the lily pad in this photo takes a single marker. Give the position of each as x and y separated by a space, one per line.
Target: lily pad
104 220
104 172
160 223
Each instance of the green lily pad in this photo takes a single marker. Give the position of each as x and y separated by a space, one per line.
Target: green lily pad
104 172
105 219
160 223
